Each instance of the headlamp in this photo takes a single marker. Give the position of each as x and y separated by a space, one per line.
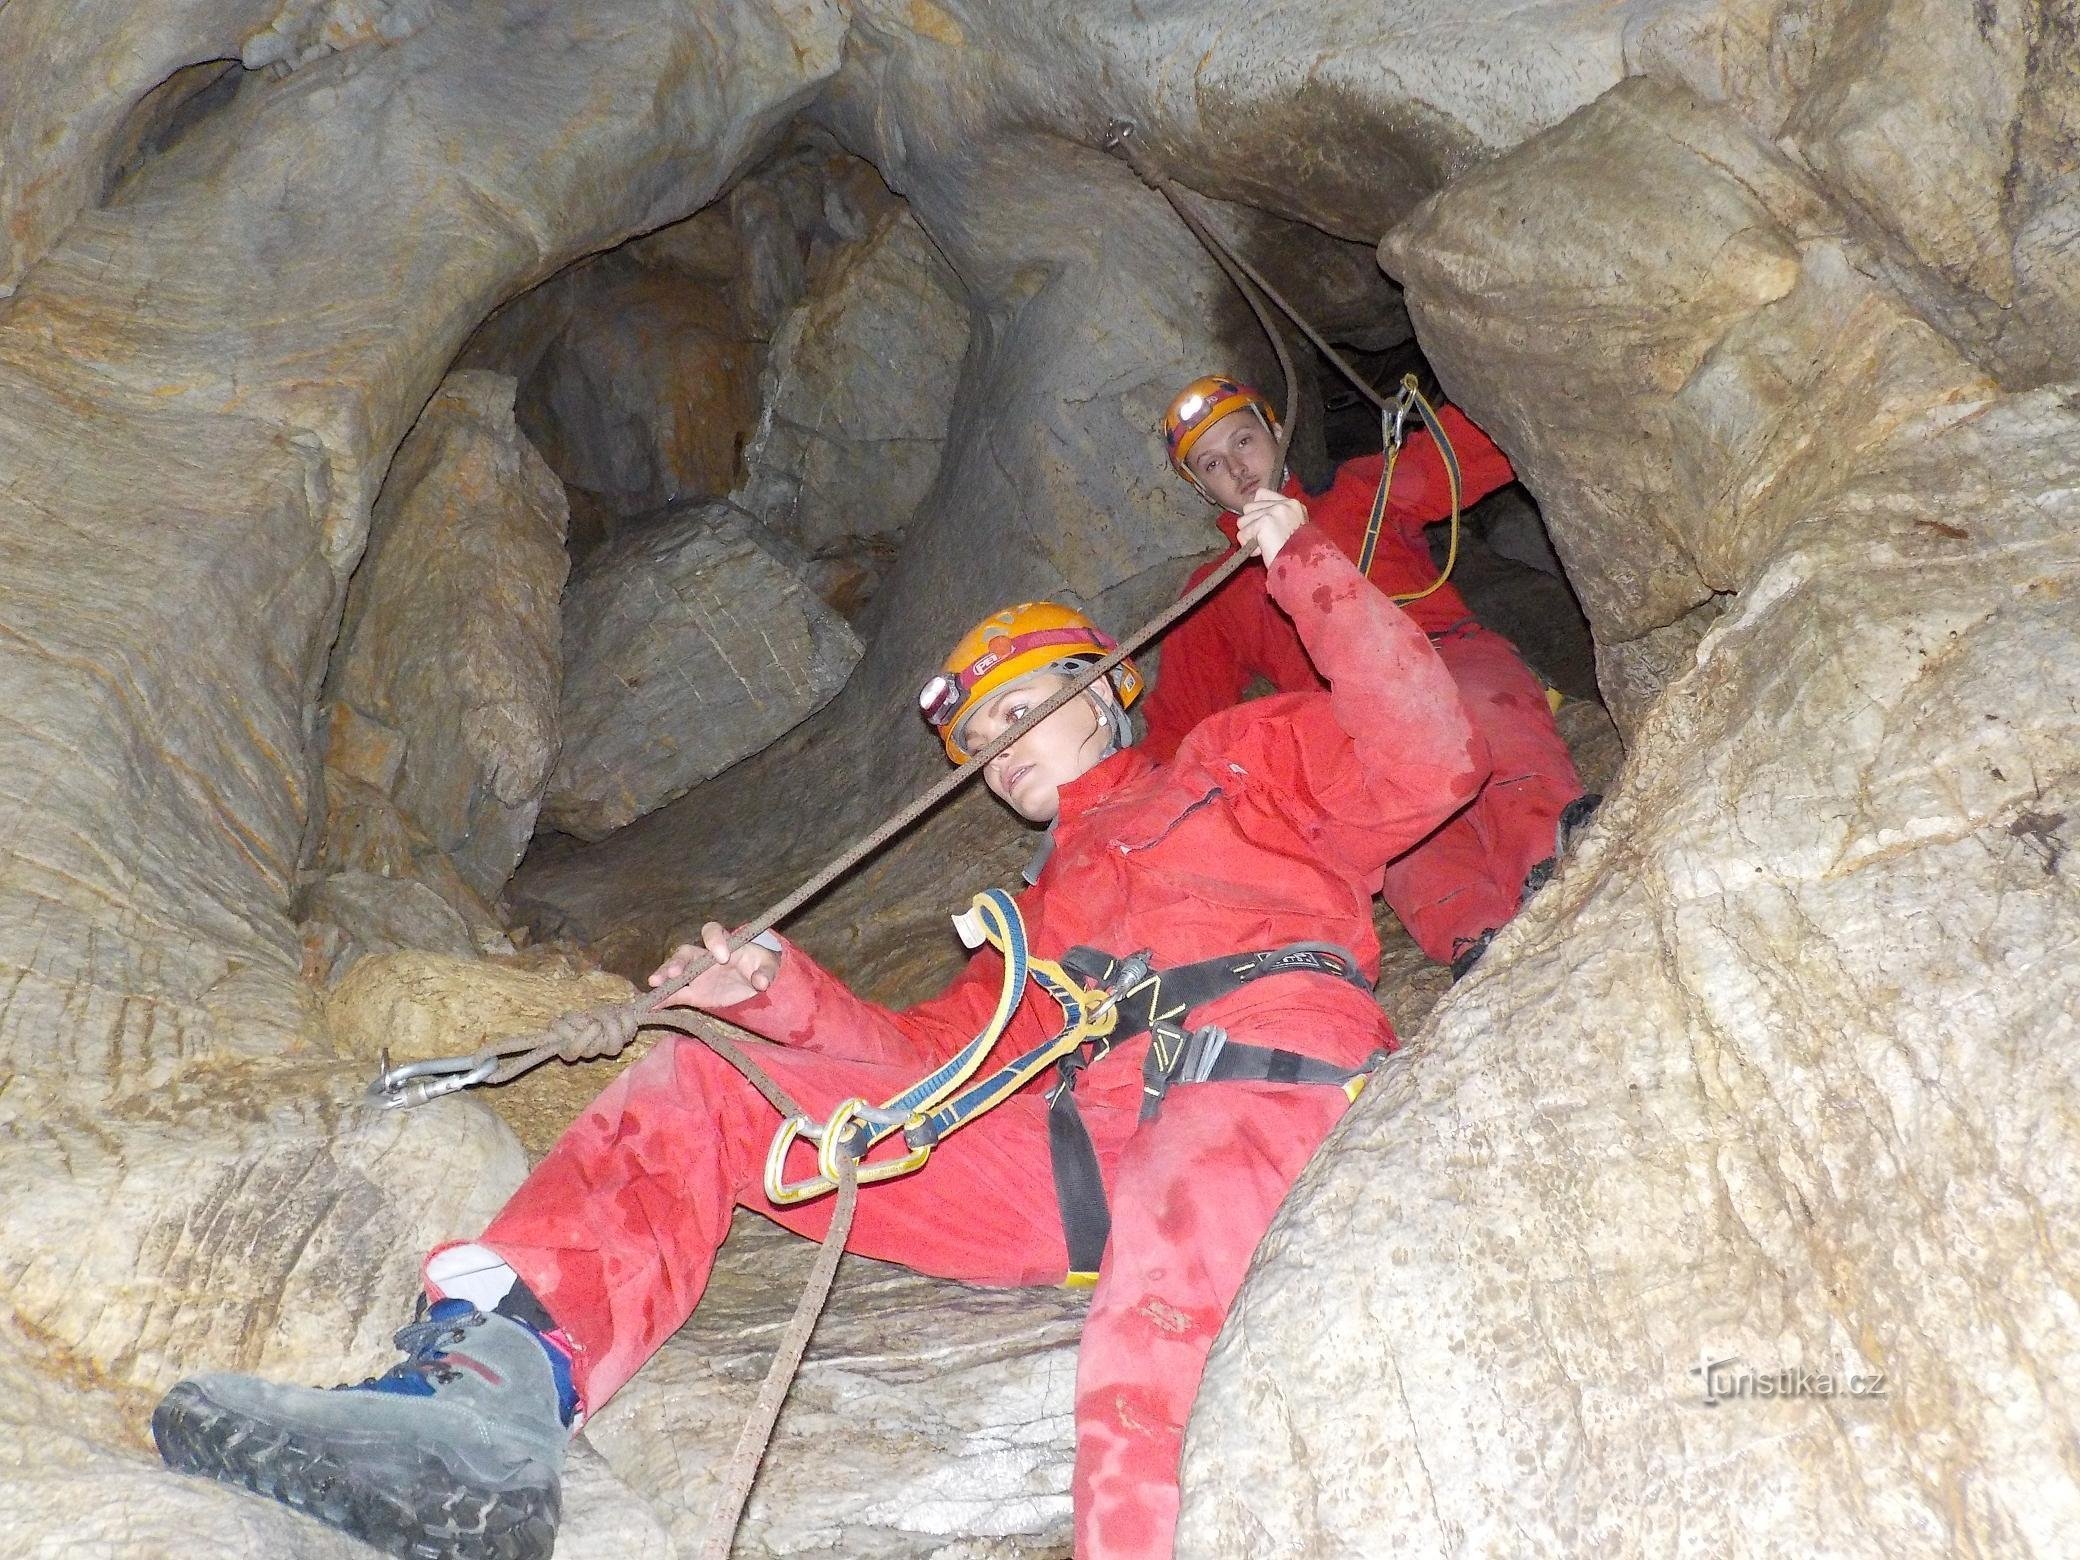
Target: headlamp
939 699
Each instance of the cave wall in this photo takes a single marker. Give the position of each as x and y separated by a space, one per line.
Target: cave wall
1779 1060
203 387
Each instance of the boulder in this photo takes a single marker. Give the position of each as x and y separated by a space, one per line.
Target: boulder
647 394
349 914
858 388
688 643
446 679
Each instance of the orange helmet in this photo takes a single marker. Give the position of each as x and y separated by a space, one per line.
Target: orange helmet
1201 404
1008 646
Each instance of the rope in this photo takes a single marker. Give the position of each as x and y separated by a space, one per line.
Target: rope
757 1433
1120 138
517 1055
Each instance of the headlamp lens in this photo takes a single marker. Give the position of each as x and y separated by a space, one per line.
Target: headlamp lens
939 699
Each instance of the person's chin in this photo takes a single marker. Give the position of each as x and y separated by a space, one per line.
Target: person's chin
1034 800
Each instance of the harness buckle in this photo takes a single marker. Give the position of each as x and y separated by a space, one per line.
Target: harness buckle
1135 968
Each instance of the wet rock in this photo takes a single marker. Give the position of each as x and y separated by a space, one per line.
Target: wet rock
446 680
1760 1077
688 643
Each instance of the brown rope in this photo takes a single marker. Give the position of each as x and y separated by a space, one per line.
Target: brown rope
757 1433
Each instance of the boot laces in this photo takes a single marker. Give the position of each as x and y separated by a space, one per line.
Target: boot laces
423 1342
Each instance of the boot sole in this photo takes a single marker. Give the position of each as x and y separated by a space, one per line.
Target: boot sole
432 1515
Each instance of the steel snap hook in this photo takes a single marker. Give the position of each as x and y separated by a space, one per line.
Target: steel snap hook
414 1083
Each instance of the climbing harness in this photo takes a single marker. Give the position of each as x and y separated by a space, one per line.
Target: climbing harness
930 1110
1139 999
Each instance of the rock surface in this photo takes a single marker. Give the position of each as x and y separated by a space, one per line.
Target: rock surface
1779 1066
858 387
647 394
446 679
204 385
688 643
948 1407
1766 1076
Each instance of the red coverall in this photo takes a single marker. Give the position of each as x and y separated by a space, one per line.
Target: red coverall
1467 877
1270 826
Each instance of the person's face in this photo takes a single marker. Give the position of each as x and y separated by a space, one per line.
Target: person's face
1028 775
1233 459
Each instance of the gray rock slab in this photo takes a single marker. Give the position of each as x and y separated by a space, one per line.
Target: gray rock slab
452 640
688 643
929 1419
859 384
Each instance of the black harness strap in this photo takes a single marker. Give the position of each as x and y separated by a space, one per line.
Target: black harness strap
1152 1001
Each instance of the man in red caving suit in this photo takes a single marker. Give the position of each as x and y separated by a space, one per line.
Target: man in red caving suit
1456 888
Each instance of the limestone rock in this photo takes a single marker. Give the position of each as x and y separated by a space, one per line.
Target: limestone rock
946 1407
1765 1075
365 832
858 388
420 1005
204 383
381 915
646 395
452 642
1632 672
688 643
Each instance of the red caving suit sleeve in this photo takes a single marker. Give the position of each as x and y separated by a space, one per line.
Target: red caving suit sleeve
809 1007
1390 752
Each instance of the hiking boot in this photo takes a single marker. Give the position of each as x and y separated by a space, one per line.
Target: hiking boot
1574 817
1467 951
454 1453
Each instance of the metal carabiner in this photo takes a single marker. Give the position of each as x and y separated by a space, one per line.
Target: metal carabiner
1404 403
830 1138
414 1083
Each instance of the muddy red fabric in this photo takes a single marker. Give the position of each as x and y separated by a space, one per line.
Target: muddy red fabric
1468 877
1271 825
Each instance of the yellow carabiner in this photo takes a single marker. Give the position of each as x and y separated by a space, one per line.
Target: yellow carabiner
829 1138
869 1171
